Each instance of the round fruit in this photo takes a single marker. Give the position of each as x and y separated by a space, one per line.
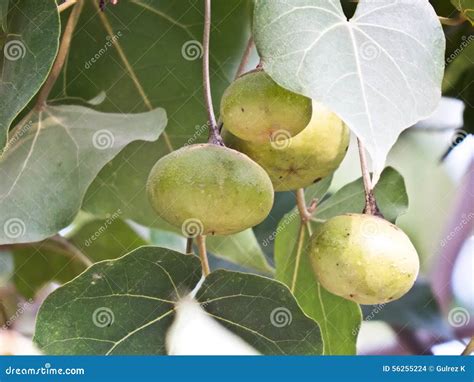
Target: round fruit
209 189
304 159
364 258
256 108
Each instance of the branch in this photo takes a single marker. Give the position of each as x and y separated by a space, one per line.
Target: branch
370 202
214 135
201 241
61 57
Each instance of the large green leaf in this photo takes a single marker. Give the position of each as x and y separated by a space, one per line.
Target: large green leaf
126 306
380 71
51 160
261 311
160 66
30 46
123 306
339 318
98 240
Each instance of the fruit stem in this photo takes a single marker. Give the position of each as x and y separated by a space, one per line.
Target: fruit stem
201 241
469 347
62 7
214 135
62 55
189 246
370 202
458 20
305 212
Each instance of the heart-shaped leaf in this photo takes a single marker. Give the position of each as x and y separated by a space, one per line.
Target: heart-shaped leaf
126 306
51 160
31 43
380 71
122 306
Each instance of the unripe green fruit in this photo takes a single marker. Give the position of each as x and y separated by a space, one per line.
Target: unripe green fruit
256 108
209 189
304 159
364 258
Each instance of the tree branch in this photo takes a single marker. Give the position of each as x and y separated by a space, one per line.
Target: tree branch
61 57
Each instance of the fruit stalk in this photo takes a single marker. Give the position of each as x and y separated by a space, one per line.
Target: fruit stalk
370 202
201 241
214 135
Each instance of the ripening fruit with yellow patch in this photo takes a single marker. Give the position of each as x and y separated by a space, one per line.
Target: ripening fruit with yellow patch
308 157
256 108
209 189
364 258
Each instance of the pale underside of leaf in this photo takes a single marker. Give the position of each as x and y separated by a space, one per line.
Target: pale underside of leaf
51 160
380 72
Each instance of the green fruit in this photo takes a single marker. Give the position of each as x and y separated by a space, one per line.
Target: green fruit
255 108
209 189
304 159
364 258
